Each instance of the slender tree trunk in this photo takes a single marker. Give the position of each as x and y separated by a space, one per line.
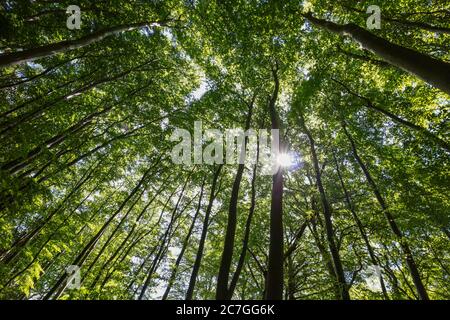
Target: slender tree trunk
29 116
49 238
135 242
201 245
263 272
396 290
361 229
337 264
275 278
184 246
291 284
111 236
166 235
92 151
60 286
161 249
248 224
20 243
325 254
109 263
18 164
294 243
43 73
440 142
432 71
407 23
423 295
14 58
230 234
11 123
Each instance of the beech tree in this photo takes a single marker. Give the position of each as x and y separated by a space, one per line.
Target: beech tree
358 205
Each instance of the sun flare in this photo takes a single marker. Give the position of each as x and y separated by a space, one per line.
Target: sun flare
285 160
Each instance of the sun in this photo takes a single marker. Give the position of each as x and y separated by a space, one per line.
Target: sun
285 160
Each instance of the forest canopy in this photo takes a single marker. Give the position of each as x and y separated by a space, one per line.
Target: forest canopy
92 205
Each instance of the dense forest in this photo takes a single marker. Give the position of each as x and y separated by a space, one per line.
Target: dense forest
357 208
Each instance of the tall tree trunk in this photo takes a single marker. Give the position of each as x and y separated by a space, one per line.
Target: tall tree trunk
227 253
135 242
19 244
109 263
248 224
109 240
184 246
41 74
31 115
291 284
201 244
275 279
162 250
423 295
49 238
337 264
59 287
369 104
10 59
88 75
361 229
326 258
432 71
407 23
294 243
164 238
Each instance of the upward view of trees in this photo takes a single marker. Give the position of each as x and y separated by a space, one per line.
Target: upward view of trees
358 208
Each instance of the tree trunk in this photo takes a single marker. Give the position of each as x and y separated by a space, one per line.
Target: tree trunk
423 295
34 114
135 242
432 71
111 236
361 229
275 279
14 58
227 253
443 144
337 264
59 286
415 24
43 73
298 236
109 263
327 259
248 223
20 243
164 238
184 246
201 245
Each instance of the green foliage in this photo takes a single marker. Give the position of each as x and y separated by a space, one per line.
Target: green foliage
79 130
